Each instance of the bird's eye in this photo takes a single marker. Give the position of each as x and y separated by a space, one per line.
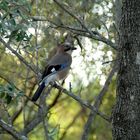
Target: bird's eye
67 46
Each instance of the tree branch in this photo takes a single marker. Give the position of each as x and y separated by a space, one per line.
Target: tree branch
8 128
6 45
39 117
90 33
97 104
95 35
83 103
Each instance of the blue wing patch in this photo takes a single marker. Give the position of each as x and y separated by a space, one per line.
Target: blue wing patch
63 66
53 69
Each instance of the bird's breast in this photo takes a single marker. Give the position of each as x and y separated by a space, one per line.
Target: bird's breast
63 73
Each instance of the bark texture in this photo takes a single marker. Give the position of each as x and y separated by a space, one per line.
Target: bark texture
126 113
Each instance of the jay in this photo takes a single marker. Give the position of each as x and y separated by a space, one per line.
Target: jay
57 68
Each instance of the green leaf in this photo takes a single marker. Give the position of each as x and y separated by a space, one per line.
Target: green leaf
2 89
22 36
20 94
10 89
8 99
12 21
4 5
54 133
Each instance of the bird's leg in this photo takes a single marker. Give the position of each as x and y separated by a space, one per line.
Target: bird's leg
53 83
70 87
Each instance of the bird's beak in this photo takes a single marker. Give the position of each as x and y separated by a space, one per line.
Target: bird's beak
73 48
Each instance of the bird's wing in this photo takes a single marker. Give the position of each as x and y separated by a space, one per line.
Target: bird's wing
51 69
56 64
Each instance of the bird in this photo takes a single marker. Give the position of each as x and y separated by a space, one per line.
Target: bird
57 68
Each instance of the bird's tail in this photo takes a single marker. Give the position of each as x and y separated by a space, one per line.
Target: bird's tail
38 92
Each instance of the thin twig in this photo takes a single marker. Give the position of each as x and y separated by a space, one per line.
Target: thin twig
72 15
18 112
56 98
7 113
33 68
79 42
91 33
78 31
106 62
43 111
32 101
9 129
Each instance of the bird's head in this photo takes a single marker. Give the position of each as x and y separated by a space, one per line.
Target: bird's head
68 47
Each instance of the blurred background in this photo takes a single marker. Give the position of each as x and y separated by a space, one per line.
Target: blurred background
33 28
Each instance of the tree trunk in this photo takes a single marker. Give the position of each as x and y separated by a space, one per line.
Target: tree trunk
126 113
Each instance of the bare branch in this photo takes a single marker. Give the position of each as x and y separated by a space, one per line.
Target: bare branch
97 104
71 14
56 98
79 42
78 31
33 68
90 33
43 111
83 103
8 128
38 119
8 115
